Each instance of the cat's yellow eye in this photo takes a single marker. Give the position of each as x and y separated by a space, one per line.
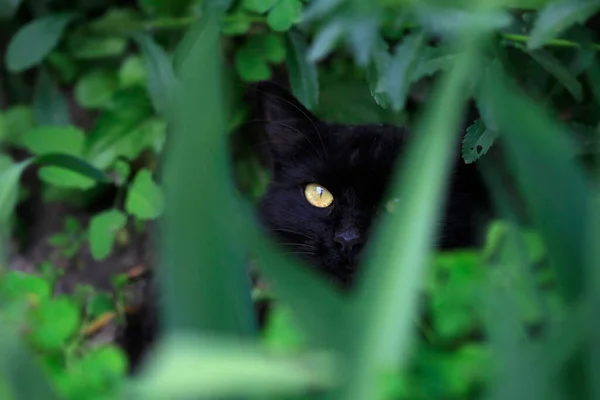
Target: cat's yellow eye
317 195
391 205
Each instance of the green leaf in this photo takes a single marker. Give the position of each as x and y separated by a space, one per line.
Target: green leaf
144 198
302 72
281 333
54 139
133 72
15 122
376 70
35 40
274 48
386 306
53 322
556 17
9 186
17 285
99 47
103 229
258 6
100 303
113 133
396 82
161 78
122 170
250 65
65 178
326 40
74 164
191 367
284 14
96 88
49 104
477 141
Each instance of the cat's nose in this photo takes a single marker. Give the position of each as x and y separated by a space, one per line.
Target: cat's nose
348 240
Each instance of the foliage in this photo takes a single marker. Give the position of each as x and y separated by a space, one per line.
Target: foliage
94 89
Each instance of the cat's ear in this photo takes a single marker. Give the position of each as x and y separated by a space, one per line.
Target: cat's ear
288 123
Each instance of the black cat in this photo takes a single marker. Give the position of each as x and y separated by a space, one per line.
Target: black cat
329 182
327 189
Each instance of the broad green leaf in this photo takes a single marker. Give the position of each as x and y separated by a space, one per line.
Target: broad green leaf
53 322
92 48
100 303
250 65
133 72
49 105
477 141
54 139
128 109
302 72
161 78
17 285
284 14
73 163
35 40
144 197
103 229
274 48
96 88
258 6
9 187
15 122
397 79
185 366
557 16
65 178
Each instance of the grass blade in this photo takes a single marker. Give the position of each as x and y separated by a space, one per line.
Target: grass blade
204 281
387 302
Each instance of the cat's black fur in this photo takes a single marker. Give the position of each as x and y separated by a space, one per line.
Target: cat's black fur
354 163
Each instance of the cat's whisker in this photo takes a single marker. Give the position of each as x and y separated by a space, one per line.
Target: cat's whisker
292 232
298 244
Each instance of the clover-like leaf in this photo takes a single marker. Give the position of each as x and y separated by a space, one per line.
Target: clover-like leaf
145 198
53 322
284 14
103 229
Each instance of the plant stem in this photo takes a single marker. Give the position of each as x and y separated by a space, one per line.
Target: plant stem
552 43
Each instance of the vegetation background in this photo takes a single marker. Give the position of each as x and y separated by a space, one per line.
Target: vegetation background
91 93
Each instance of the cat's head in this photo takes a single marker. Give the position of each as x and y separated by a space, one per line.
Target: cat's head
328 181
